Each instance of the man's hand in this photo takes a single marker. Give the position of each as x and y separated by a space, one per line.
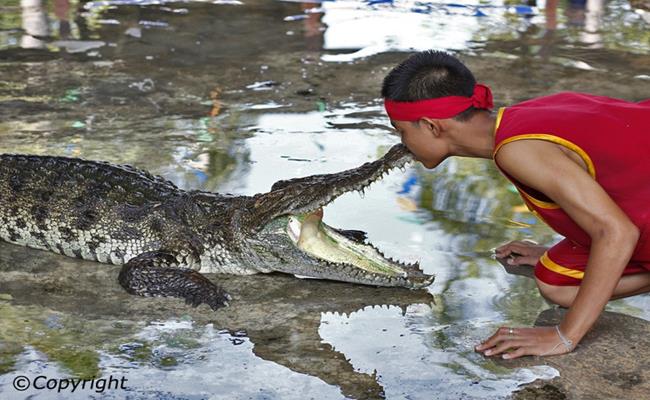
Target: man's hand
517 342
520 252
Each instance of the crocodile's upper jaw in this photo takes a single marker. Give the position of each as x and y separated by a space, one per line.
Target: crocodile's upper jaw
306 195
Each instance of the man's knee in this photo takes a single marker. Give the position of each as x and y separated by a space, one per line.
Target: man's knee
560 295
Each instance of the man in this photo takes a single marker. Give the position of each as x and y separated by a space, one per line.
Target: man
579 161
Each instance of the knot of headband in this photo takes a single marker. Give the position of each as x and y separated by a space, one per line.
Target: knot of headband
440 108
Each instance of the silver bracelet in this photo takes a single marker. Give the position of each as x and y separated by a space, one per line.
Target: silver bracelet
568 343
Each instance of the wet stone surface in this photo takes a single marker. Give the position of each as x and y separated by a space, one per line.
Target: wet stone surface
610 362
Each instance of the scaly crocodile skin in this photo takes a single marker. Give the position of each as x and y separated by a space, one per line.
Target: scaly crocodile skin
106 213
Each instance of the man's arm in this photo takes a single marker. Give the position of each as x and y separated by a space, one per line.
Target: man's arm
545 167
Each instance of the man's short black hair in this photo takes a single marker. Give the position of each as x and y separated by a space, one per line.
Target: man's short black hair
429 75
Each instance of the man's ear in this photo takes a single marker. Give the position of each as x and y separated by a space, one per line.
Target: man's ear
432 125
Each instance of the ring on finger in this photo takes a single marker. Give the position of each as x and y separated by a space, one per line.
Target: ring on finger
511 331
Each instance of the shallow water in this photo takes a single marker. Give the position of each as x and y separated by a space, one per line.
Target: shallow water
232 96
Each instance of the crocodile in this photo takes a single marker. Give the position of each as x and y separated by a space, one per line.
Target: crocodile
165 238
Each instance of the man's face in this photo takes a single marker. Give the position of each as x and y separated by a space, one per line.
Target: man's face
428 148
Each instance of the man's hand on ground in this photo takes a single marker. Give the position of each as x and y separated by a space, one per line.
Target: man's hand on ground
520 252
516 342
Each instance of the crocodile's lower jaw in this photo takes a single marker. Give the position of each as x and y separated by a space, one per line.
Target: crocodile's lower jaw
312 236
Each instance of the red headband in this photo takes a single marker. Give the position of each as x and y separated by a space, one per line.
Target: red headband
441 108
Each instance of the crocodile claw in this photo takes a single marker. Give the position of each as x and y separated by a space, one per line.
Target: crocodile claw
212 295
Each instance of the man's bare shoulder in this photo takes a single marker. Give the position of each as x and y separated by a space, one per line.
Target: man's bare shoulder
536 154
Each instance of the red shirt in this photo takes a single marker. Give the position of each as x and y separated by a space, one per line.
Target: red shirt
611 136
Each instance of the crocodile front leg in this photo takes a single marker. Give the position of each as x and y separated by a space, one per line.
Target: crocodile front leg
157 273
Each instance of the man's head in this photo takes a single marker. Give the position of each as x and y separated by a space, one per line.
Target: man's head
424 76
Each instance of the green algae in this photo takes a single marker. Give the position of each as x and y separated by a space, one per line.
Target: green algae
66 343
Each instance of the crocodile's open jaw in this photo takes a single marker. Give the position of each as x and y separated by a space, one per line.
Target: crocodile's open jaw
346 255
303 245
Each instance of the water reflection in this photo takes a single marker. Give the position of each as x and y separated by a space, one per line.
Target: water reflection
191 153
586 15
38 26
344 30
313 26
75 327
35 24
50 307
